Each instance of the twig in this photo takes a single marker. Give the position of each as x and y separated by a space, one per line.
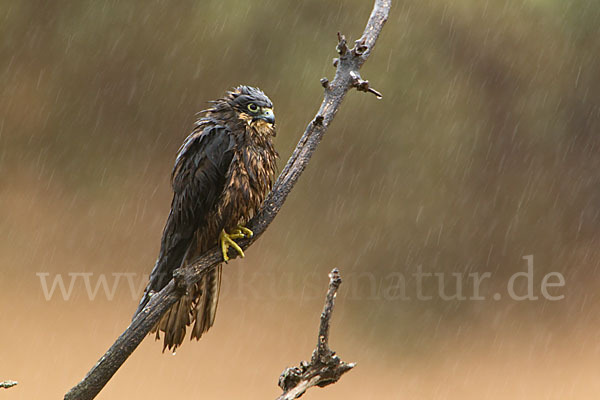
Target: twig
8 384
325 367
350 60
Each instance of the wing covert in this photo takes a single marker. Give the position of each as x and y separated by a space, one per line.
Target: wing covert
198 179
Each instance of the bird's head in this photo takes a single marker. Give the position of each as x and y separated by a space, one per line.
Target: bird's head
253 107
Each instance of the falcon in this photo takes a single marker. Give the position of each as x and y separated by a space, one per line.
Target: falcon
222 173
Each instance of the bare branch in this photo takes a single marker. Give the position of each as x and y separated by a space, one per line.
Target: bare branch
325 367
350 60
8 384
363 86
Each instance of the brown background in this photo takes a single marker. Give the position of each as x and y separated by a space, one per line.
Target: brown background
483 150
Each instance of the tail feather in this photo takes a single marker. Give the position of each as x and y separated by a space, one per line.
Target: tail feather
206 308
176 322
199 307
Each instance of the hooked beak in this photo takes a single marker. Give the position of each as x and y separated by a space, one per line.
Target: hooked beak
267 115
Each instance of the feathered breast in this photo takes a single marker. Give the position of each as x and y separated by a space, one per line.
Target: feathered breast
250 178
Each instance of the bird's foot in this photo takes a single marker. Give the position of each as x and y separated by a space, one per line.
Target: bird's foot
242 230
227 240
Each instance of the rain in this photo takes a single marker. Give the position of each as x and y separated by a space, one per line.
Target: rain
462 209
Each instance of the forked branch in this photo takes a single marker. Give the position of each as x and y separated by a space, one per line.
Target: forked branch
324 367
346 78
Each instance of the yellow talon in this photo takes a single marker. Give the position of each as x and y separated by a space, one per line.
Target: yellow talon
244 231
226 241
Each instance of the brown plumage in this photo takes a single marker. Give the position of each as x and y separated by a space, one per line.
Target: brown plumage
223 171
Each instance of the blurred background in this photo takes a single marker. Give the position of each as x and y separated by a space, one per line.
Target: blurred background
484 150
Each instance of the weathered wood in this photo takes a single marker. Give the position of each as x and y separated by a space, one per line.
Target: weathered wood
324 367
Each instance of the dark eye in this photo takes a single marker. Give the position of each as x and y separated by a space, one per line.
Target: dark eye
253 107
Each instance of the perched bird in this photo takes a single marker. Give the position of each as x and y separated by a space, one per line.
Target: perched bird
222 173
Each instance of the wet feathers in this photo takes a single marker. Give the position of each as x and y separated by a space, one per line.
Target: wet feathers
222 173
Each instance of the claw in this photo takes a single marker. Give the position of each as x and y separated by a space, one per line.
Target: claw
245 231
226 241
